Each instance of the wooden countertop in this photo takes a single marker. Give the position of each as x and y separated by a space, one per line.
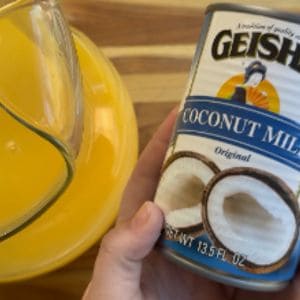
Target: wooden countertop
151 44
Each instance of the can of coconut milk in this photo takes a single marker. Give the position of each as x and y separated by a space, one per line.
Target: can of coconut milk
230 182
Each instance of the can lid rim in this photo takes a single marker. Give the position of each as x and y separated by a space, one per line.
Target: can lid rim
258 10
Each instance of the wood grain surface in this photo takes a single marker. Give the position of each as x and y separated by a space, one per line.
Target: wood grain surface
151 44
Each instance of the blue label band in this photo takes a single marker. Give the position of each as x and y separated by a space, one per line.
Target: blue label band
242 125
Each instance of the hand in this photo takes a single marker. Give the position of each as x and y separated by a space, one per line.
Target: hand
126 267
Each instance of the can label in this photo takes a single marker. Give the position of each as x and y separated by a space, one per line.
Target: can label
230 182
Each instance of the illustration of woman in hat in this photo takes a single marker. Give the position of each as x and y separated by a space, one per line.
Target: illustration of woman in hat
248 92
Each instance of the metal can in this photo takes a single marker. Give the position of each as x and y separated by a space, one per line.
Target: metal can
229 186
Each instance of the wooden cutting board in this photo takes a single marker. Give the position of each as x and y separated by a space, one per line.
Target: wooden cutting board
151 43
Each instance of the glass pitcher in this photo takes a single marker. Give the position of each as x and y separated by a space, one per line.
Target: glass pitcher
40 110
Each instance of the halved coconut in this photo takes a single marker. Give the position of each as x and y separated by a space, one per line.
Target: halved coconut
253 215
187 220
179 193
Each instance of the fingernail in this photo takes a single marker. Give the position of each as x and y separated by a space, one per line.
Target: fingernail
142 215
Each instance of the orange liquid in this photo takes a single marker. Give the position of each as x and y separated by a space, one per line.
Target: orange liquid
31 168
89 205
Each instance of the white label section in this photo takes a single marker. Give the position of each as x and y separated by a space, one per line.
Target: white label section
212 74
219 153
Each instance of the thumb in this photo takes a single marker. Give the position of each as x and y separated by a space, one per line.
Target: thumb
118 266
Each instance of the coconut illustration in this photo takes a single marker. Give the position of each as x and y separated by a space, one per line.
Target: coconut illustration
253 215
298 195
179 194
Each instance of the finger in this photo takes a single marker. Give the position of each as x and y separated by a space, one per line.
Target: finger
144 178
118 266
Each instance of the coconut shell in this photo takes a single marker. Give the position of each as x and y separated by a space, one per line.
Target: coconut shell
191 154
197 229
279 186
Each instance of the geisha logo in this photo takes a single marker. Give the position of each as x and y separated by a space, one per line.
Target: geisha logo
252 88
267 46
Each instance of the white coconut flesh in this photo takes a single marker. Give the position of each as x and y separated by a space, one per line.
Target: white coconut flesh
182 184
185 217
250 218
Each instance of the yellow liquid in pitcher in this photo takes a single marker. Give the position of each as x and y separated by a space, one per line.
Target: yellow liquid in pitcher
32 169
108 153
